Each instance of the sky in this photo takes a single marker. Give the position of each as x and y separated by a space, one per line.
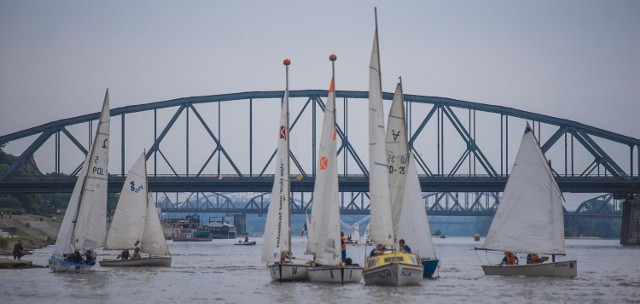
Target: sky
575 60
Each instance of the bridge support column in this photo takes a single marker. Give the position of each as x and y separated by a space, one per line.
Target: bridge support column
240 222
630 230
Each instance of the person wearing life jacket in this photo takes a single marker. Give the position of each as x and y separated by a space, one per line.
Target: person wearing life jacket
343 242
533 258
509 258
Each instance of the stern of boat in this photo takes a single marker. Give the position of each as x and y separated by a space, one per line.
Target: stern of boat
335 274
393 269
288 271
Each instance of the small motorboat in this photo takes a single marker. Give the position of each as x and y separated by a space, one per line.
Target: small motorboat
246 243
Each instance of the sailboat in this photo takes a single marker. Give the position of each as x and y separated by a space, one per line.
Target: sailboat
276 250
324 235
530 217
390 267
136 223
408 212
84 226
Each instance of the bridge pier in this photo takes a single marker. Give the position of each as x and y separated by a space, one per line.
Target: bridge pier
240 222
630 230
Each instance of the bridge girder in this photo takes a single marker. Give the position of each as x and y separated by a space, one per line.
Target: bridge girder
467 168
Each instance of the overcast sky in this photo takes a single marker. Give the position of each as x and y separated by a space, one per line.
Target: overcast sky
576 60
571 59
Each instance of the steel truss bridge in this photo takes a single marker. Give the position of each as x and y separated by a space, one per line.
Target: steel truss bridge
209 147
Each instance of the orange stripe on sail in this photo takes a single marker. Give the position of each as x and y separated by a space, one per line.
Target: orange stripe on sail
331 86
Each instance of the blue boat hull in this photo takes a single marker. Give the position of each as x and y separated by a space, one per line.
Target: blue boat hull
430 267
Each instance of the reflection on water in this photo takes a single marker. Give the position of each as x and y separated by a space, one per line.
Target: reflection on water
218 271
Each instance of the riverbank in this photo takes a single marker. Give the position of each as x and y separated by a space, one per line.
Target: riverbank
33 230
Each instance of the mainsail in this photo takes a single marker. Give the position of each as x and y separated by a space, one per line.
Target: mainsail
84 224
277 230
530 215
130 216
136 221
324 235
380 226
408 213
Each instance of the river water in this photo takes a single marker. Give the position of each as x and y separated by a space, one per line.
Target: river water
219 272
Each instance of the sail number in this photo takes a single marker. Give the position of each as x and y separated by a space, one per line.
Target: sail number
97 170
135 188
400 170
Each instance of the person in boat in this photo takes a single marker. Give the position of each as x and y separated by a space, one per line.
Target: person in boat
136 253
377 251
18 250
343 243
509 258
246 239
76 257
404 247
533 258
90 257
283 257
124 255
348 261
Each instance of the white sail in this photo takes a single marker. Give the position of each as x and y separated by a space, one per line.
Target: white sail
530 215
277 227
380 226
324 235
408 213
129 218
414 223
85 222
153 240
397 155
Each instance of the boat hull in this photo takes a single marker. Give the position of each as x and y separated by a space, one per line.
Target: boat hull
246 243
289 272
335 274
429 266
149 261
553 269
394 274
393 268
61 265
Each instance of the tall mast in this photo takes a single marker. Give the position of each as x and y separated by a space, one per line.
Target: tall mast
375 12
287 62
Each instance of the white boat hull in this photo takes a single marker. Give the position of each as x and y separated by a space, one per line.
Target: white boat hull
288 271
149 261
553 269
62 265
394 274
335 274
